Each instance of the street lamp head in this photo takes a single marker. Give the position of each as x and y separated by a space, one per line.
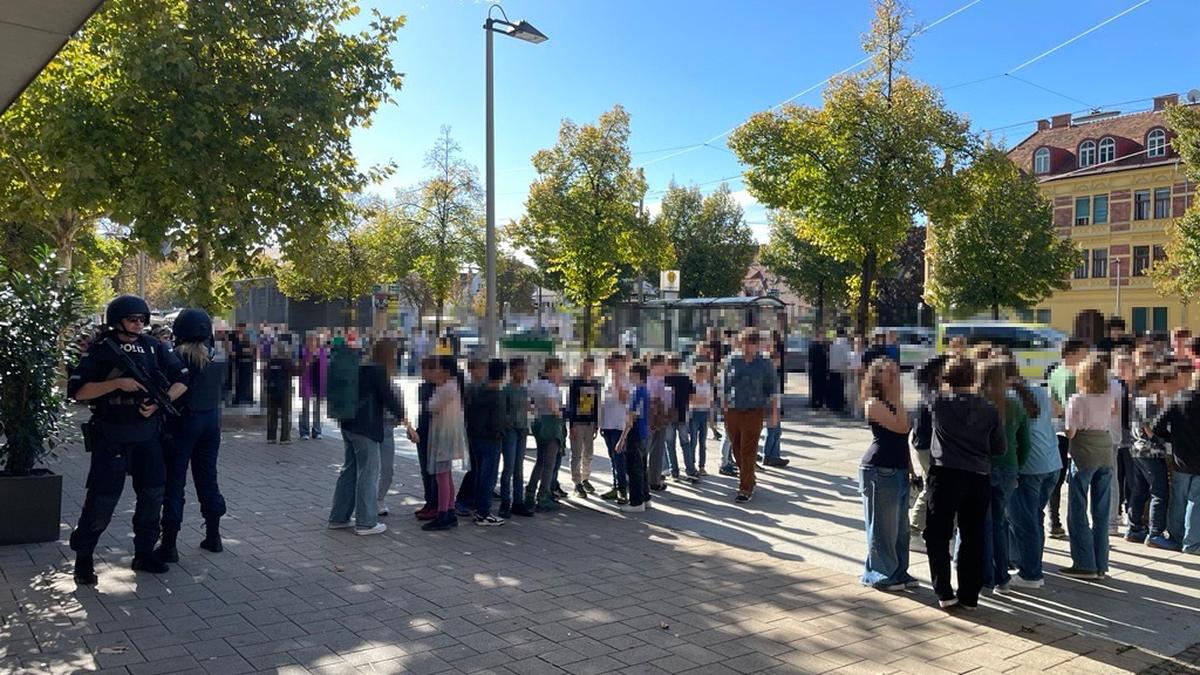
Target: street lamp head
522 30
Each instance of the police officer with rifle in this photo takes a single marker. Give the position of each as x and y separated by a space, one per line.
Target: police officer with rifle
194 437
130 382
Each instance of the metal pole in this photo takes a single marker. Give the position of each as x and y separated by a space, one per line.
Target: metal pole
1118 262
490 327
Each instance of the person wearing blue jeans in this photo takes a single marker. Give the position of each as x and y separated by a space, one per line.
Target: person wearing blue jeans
515 396
770 449
1088 494
1088 419
682 390
485 431
1016 404
884 476
1180 425
614 404
1148 455
1037 474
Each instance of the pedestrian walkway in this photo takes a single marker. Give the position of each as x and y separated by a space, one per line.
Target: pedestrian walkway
695 585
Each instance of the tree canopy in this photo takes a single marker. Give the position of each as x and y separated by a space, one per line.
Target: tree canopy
814 275
861 166
713 245
999 248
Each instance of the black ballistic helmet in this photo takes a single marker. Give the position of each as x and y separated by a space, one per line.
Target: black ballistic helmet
193 325
123 306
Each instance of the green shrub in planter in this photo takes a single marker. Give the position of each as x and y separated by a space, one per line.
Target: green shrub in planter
37 309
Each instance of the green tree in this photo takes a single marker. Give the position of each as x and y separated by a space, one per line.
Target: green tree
1179 274
1001 248
713 245
814 275
584 219
447 213
235 122
344 264
862 165
901 283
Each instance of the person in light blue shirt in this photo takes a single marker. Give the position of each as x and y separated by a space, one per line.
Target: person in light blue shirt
1037 474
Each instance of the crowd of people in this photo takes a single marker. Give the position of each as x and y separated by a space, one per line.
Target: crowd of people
649 412
1118 424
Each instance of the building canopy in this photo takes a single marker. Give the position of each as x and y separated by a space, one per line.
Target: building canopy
31 33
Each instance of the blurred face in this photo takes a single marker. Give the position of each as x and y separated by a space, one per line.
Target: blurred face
428 372
518 373
555 375
750 348
702 376
587 369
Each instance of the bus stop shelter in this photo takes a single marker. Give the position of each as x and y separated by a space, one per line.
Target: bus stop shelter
677 325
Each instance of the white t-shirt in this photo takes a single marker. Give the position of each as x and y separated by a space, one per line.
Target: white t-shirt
546 396
703 400
612 410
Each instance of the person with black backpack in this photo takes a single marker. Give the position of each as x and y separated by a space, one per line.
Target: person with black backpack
366 392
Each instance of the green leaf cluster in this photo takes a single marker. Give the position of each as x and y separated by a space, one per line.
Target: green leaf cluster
809 271
998 248
713 245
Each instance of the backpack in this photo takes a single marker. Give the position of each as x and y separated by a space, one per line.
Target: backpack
342 382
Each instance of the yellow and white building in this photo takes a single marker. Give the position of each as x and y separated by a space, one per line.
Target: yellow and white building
1116 184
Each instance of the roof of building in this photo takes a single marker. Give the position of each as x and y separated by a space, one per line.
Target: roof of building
1066 134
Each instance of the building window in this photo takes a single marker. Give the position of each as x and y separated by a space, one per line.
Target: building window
1159 315
1159 254
1081 269
1087 153
1099 263
1139 320
1141 260
1141 205
1108 150
1162 202
1041 161
1100 209
1043 316
1083 208
1156 143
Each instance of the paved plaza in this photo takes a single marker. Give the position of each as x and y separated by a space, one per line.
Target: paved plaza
695 585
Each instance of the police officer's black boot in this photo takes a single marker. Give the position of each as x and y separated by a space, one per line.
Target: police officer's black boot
85 571
212 537
166 551
149 562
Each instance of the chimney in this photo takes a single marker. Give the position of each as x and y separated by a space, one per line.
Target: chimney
1161 102
1060 121
1043 125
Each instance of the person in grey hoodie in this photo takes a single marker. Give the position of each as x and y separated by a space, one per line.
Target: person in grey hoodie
965 433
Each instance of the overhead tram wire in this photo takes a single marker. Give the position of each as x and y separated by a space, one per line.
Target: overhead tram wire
708 143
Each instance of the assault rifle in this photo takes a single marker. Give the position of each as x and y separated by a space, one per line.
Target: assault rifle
156 388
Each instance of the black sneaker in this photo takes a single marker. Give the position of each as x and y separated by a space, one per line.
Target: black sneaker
438 524
777 461
742 498
580 490
85 571
610 495
587 485
522 510
661 487
166 554
560 493
727 471
149 563
488 521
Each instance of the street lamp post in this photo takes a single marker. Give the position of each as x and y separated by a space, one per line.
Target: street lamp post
1117 264
521 30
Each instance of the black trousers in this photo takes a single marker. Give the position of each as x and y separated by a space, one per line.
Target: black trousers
635 469
817 381
1056 496
110 462
961 496
835 392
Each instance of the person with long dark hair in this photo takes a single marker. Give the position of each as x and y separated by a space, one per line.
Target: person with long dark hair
966 432
1037 473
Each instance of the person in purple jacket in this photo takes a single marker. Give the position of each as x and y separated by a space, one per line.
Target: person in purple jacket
314 365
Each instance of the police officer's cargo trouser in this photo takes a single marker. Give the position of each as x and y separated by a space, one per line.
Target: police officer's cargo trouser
194 437
113 456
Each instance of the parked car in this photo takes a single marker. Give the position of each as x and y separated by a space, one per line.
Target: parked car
796 358
916 344
1036 347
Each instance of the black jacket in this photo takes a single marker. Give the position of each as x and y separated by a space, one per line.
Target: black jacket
966 432
485 414
374 394
1179 423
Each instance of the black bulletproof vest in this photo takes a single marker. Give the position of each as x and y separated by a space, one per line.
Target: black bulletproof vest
204 388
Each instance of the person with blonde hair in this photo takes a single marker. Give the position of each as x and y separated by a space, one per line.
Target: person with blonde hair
884 476
1088 418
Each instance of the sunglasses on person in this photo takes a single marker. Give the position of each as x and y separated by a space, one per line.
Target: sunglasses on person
136 318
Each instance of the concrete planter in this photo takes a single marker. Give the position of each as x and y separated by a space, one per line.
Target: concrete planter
31 507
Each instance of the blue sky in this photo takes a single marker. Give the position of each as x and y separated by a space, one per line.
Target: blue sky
688 71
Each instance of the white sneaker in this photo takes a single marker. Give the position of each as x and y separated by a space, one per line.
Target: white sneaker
946 604
365 531
340 526
383 510
630 508
1019 582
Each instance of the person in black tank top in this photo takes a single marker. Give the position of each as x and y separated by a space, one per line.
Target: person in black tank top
884 480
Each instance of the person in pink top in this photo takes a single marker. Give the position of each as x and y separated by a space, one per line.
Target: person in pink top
314 365
1089 416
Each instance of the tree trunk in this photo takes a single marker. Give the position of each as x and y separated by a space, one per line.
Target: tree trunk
995 312
437 320
866 280
587 326
820 318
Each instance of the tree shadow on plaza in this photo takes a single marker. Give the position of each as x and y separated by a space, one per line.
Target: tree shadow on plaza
582 590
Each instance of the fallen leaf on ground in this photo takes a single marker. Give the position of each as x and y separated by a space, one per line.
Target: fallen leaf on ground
339 568
113 650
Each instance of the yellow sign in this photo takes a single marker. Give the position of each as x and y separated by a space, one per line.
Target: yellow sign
669 281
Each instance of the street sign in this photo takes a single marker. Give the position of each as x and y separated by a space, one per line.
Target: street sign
669 281
393 289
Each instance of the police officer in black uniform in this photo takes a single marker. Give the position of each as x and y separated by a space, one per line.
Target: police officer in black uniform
195 435
124 433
